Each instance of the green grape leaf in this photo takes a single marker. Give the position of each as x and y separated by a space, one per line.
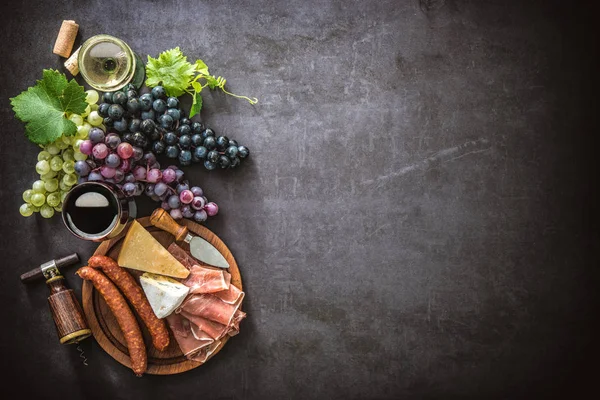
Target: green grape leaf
196 104
201 67
43 107
171 70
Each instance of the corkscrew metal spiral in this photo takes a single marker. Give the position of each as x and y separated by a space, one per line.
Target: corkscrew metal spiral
81 354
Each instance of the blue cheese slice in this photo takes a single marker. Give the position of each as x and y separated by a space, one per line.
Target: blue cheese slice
164 294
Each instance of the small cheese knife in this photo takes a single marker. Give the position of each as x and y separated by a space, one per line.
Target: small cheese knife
200 248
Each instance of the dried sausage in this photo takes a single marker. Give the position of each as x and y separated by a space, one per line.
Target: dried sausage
127 322
133 292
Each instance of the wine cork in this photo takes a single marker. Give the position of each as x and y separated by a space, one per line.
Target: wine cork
66 38
72 63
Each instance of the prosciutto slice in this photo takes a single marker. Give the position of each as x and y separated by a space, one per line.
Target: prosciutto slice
210 307
191 345
235 323
232 295
198 323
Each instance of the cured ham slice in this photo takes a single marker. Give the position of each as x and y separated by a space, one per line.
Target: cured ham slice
202 278
206 352
210 307
232 295
207 280
235 323
191 345
198 323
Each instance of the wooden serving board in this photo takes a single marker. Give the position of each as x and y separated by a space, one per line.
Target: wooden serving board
104 326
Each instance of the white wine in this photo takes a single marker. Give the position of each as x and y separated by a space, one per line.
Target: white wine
107 64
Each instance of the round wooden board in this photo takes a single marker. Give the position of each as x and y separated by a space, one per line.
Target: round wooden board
104 326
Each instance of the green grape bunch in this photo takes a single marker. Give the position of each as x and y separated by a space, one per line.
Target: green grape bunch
55 164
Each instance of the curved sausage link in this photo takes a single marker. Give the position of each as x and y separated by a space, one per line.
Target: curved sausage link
123 314
133 292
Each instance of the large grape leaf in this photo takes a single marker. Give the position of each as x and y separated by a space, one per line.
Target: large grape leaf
43 107
171 70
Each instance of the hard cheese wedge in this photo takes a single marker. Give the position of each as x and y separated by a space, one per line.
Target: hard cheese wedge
142 252
164 294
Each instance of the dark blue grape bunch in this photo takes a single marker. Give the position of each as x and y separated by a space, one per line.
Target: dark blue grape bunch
157 123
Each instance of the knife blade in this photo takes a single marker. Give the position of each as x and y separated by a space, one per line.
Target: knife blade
201 249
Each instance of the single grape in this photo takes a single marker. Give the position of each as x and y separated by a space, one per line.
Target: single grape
56 163
224 162
127 137
209 165
51 185
160 188
119 98
140 173
158 92
63 196
185 157
87 111
83 131
184 120
37 199
179 174
169 175
76 119
149 190
120 125
38 187
112 160
231 151
49 175
187 211
46 211
243 152
68 155
62 185
91 96
27 195
70 179
233 143
211 209
78 156
44 155
186 196
140 140
149 158
159 106
96 135
125 165
207 133
198 203
100 151
81 168
125 150
138 153
133 105
213 156
185 142
95 176
154 175
42 167
94 118
52 149
107 97
176 213
134 125
26 210
107 122
131 94
210 143
172 151
68 167
173 113
174 201
155 135
159 147
86 147
129 189
200 216
107 172
53 199
222 143
197 190
146 102
129 178
185 130
200 152
170 138
172 102
103 110
112 141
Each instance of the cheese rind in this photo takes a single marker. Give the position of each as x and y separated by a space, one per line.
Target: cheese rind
143 252
164 294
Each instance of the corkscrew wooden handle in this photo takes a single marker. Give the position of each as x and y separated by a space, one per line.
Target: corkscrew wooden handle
69 320
161 219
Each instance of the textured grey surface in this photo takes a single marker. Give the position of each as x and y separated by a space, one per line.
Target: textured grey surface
416 217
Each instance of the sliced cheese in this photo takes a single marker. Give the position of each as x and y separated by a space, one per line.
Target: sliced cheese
164 294
143 252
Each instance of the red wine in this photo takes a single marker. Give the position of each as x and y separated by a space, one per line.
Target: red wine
92 214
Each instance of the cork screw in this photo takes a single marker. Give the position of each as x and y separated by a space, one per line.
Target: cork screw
66 311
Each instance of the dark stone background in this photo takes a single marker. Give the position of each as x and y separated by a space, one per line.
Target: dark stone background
417 218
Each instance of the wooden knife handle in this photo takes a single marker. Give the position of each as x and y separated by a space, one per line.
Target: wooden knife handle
161 219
